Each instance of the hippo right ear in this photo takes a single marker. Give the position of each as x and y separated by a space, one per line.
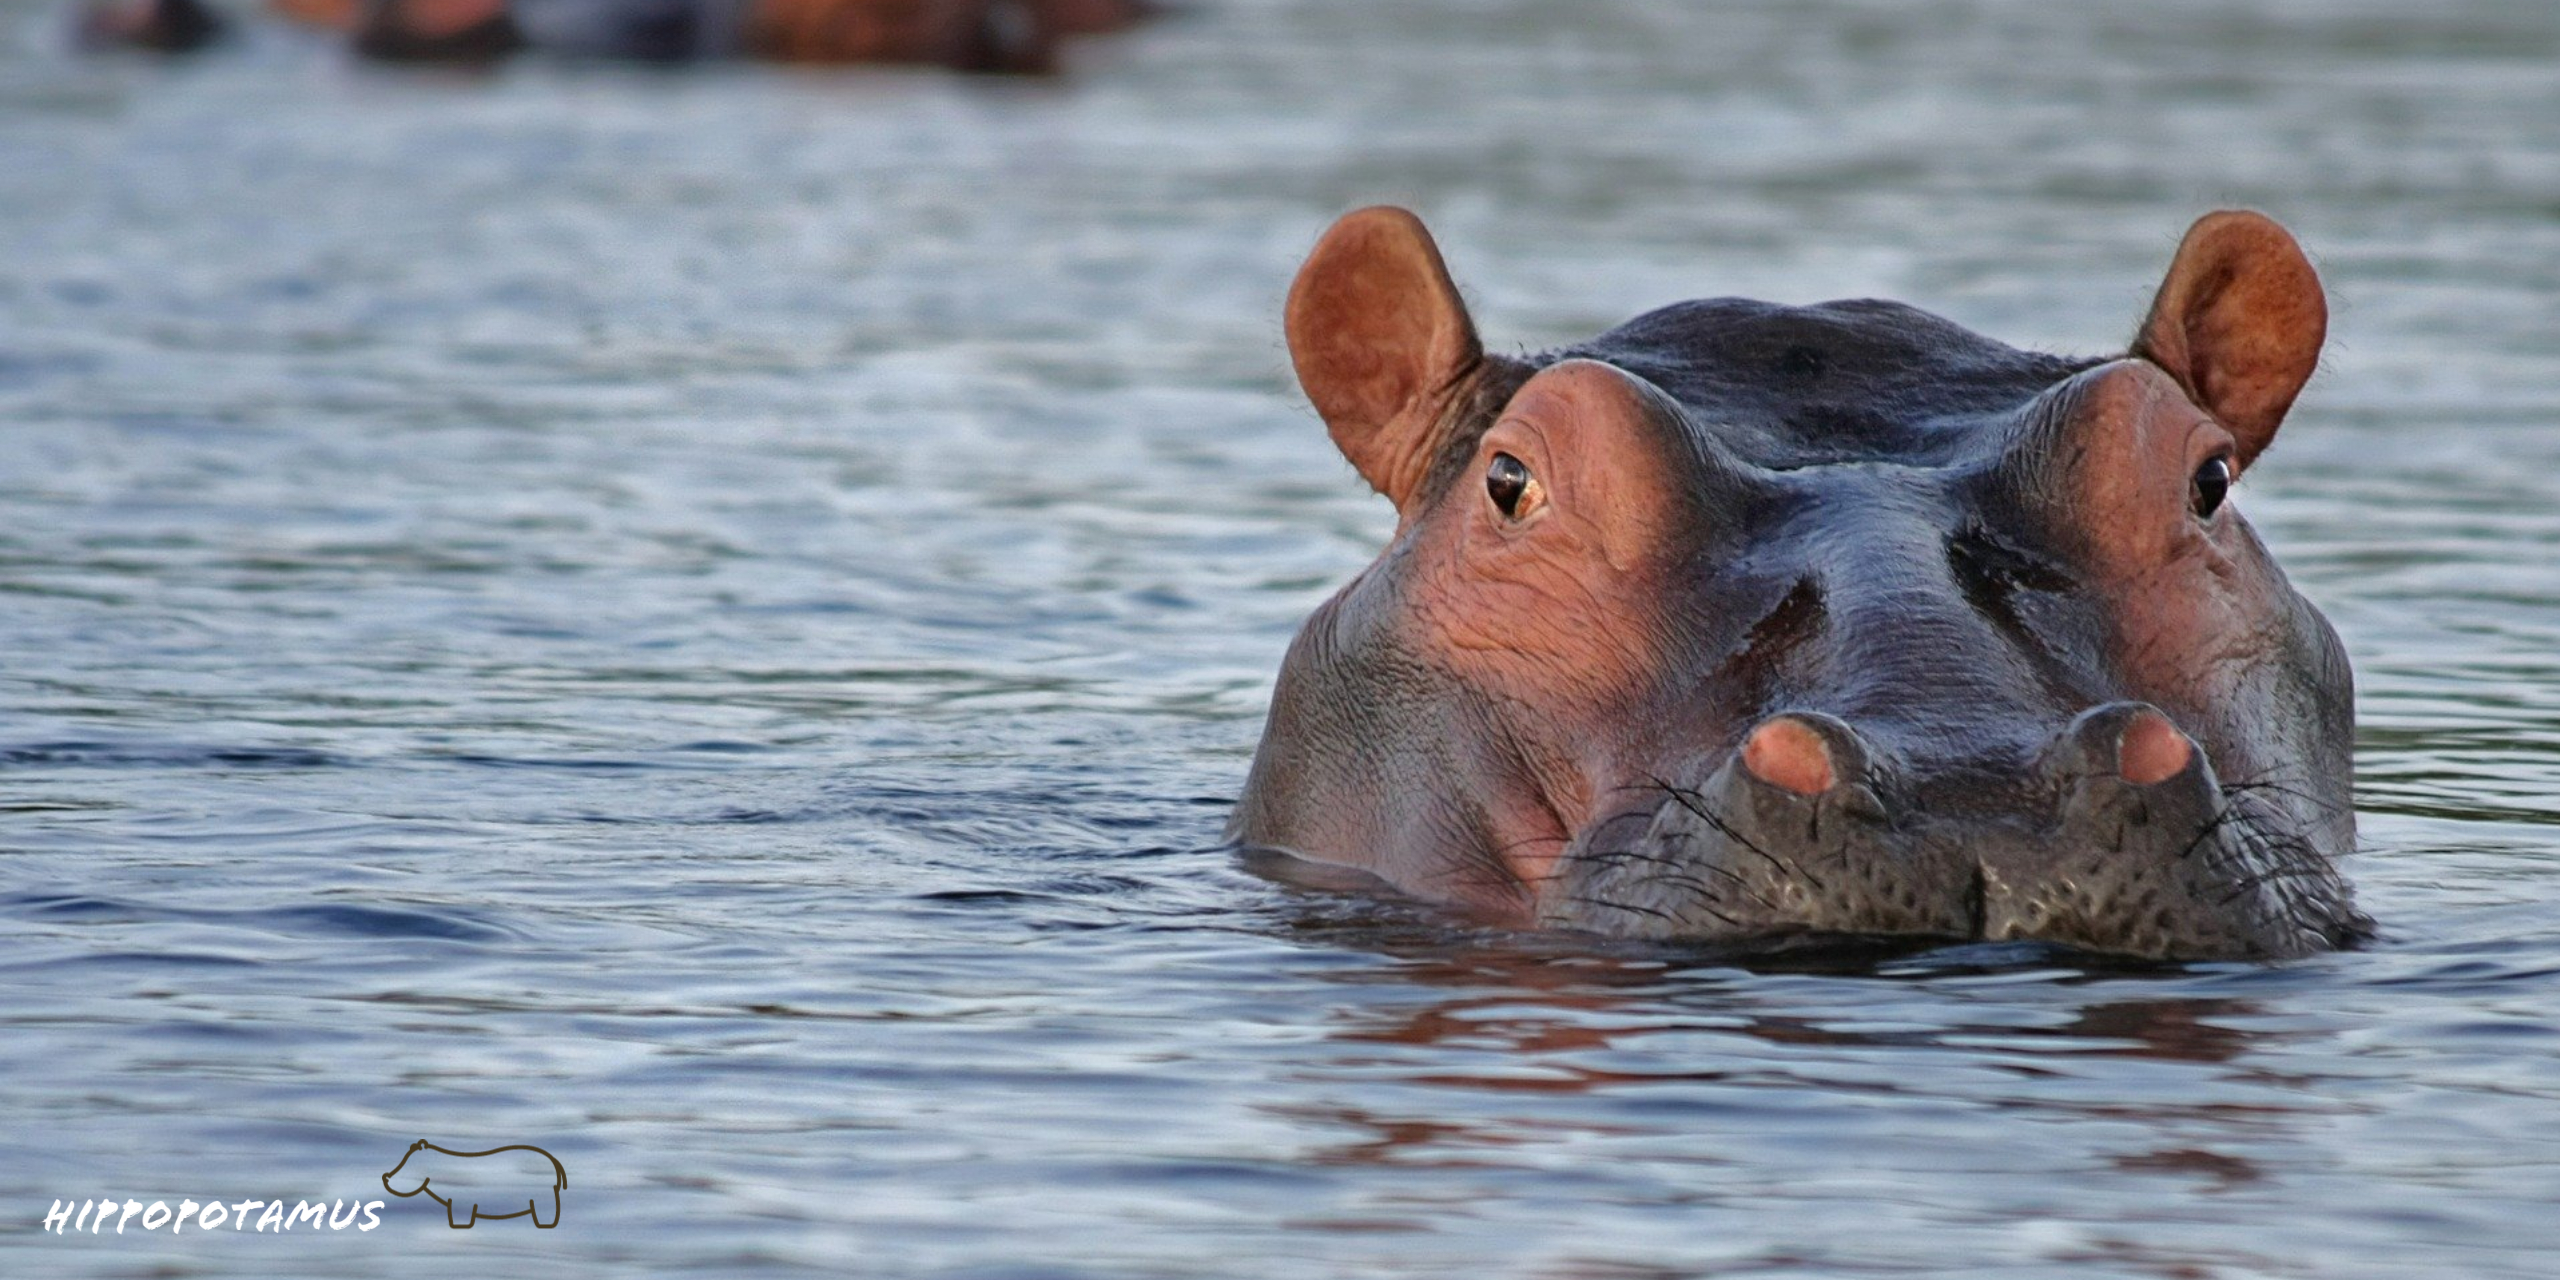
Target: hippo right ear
1381 340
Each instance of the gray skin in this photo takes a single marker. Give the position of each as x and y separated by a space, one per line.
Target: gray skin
1916 543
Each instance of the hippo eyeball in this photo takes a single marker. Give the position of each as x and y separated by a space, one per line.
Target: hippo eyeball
2212 485
1507 481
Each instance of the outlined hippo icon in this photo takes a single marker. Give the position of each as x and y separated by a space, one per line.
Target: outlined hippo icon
501 1182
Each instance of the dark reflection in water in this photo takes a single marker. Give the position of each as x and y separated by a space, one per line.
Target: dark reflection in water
709 623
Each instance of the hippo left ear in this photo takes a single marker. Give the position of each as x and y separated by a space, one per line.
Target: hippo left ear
1381 340
2239 323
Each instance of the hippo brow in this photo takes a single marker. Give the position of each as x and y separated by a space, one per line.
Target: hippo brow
1488 387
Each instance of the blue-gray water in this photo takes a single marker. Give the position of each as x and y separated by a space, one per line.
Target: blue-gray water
708 621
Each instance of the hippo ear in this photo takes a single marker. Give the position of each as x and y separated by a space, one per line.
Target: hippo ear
1380 339
2239 323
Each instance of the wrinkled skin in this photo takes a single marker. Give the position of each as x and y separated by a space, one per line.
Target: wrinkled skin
1750 624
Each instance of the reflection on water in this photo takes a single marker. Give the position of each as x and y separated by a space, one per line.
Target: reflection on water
709 622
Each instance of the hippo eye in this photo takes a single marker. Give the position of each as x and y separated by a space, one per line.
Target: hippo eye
1508 482
2212 485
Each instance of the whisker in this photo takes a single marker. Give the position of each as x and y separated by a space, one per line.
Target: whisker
1695 804
1677 873
1664 916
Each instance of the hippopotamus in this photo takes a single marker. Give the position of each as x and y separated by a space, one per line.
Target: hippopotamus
995 36
156 26
501 1182
1751 626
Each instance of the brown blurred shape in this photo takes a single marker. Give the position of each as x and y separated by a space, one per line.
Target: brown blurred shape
1002 36
159 26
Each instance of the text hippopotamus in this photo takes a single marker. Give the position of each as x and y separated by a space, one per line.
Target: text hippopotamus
501 1182
1752 624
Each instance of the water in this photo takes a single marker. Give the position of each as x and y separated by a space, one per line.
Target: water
708 622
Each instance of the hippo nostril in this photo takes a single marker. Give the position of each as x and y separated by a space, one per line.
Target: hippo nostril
2151 749
1786 752
2132 742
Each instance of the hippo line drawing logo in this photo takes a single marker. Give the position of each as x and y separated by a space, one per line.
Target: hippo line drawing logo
501 1182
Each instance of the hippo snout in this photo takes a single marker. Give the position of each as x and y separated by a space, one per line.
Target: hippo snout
2116 837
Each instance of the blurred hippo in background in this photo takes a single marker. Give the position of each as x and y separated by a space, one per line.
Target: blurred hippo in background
1759 626
157 26
993 36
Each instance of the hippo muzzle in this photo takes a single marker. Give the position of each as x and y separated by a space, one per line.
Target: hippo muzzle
2118 838
1747 624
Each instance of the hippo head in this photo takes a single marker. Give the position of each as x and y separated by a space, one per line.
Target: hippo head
1750 624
